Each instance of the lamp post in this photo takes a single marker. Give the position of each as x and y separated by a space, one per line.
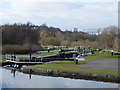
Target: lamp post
48 50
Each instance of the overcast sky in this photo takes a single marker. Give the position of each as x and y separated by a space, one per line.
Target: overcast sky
82 14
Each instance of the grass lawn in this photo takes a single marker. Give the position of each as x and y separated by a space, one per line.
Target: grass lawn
36 55
71 66
100 56
70 62
24 57
3 58
68 52
51 48
45 54
74 68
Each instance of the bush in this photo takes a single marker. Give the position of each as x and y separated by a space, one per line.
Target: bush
19 49
50 41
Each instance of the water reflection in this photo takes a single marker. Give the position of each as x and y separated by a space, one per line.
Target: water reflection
13 71
29 76
19 80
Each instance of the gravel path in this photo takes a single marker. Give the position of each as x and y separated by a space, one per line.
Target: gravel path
103 64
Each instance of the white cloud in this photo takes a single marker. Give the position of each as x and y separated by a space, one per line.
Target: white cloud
59 0
61 14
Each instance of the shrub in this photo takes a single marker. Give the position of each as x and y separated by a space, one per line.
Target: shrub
19 49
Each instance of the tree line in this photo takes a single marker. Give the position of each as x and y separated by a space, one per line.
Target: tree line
28 36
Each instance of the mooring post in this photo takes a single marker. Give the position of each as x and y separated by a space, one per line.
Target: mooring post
48 50
112 52
76 61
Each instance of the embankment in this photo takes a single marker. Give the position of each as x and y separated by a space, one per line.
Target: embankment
69 74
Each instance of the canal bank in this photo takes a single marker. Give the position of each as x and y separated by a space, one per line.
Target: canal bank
70 74
11 79
71 71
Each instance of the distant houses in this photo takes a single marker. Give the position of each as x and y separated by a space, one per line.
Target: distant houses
88 31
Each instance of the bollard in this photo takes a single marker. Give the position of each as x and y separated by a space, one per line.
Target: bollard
48 50
76 61
112 52
92 52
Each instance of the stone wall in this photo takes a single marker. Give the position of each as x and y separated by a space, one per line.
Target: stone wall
74 75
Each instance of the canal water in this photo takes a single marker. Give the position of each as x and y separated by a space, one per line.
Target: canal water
20 80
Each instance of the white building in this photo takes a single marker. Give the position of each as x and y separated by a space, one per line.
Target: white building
75 30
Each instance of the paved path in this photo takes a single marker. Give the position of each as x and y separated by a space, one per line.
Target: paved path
103 64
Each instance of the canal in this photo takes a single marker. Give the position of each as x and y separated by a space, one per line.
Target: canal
20 80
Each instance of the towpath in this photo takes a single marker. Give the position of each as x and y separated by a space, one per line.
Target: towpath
102 64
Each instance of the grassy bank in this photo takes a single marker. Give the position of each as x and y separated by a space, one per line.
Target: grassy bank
41 54
71 66
74 68
45 54
3 58
70 62
36 55
100 56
